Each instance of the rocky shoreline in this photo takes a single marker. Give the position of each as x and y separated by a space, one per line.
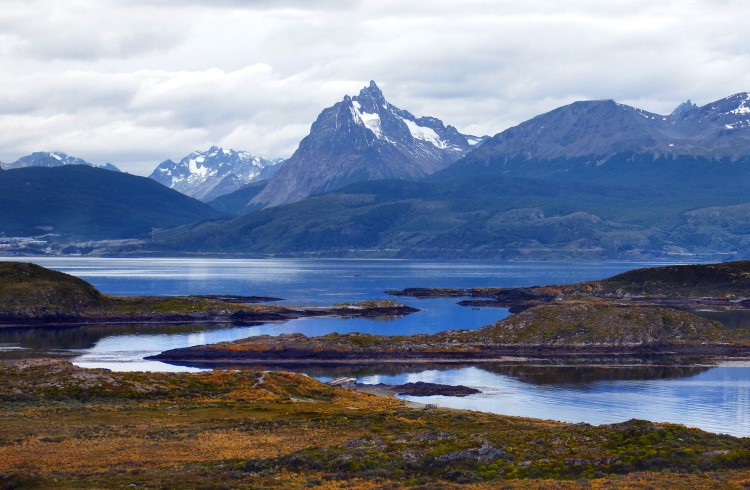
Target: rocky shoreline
420 388
260 314
208 356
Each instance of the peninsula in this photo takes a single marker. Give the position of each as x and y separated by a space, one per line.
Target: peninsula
639 313
34 295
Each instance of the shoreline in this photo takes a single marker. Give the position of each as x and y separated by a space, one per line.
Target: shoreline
210 355
655 361
237 317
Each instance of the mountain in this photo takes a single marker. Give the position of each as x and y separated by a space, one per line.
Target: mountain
595 133
206 175
365 138
494 217
90 203
238 202
593 180
52 159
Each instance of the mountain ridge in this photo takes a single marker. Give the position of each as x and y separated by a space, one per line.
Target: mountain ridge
52 159
591 186
598 131
206 175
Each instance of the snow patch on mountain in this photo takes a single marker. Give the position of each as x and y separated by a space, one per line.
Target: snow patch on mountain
425 134
370 120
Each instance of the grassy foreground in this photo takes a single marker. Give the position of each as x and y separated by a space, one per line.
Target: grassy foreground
66 427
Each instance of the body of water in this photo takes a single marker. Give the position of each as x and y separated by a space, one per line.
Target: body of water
713 398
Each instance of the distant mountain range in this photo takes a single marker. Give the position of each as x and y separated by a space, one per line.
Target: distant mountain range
52 159
594 133
591 179
364 138
206 175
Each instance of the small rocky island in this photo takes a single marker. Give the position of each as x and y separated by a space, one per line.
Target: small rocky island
639 313
34 295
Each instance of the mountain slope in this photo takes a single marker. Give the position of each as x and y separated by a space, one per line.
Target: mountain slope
206 175
90 203
238 202
497 217
364 138
52 159
591 134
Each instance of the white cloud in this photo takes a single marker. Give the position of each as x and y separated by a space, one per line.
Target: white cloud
137 82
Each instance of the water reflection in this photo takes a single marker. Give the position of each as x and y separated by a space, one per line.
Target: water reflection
587 376
56 340
715 399
578 376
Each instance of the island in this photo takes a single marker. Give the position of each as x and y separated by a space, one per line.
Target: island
644 312
34 295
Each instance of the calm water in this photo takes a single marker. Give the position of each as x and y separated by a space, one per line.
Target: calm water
713 398
716 399
298 281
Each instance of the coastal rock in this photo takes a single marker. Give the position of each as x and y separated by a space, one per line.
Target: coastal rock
420 388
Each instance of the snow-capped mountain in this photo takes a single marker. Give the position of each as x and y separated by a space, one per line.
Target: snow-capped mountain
206 175
365 138
52 159
595 132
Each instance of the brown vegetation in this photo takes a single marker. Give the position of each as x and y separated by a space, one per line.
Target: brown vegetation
65 427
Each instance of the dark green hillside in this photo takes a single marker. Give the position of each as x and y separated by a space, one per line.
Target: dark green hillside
238 202
91 203
417 218
491 216
730 279
33 290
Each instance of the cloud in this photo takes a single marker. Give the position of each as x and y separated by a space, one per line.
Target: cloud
85 30
136 82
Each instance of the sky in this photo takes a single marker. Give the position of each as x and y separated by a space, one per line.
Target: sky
135 82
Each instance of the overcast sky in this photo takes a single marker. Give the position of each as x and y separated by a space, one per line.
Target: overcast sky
135 82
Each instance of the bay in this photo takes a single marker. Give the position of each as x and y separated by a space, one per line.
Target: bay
714 398
297 281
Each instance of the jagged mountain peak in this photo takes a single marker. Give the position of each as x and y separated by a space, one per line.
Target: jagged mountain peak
209 174
684 108
362 138
373 92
